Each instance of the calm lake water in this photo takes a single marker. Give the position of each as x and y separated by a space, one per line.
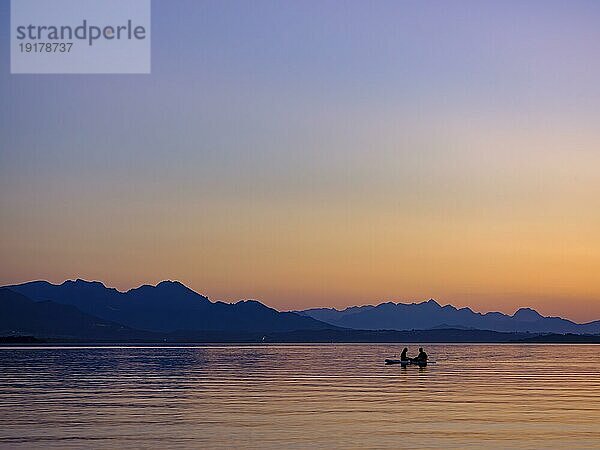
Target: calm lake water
300 396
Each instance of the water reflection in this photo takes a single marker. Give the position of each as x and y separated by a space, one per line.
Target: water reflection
299 395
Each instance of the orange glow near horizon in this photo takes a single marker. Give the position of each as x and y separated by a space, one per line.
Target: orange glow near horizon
335 257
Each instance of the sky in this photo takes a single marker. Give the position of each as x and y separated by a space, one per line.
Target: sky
320 153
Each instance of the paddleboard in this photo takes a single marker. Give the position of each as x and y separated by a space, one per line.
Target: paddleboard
408 362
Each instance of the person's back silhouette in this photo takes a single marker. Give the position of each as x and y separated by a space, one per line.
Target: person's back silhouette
422 356
403 356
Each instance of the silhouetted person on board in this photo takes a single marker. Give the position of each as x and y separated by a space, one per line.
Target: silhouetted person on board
403 356
421 357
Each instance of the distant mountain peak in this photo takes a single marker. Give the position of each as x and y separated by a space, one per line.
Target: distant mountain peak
80 283
527 315
252 304
167 291
165 285
171 284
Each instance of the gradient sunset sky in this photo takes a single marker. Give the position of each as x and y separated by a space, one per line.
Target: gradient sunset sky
320 153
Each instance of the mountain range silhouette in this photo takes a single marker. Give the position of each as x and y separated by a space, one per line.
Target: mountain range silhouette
82 309
430 314
169 306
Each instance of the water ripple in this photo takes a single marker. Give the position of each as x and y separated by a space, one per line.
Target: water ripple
299 396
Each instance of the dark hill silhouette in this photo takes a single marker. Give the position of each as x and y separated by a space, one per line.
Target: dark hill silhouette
430 315
23 321
22 316
169 306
